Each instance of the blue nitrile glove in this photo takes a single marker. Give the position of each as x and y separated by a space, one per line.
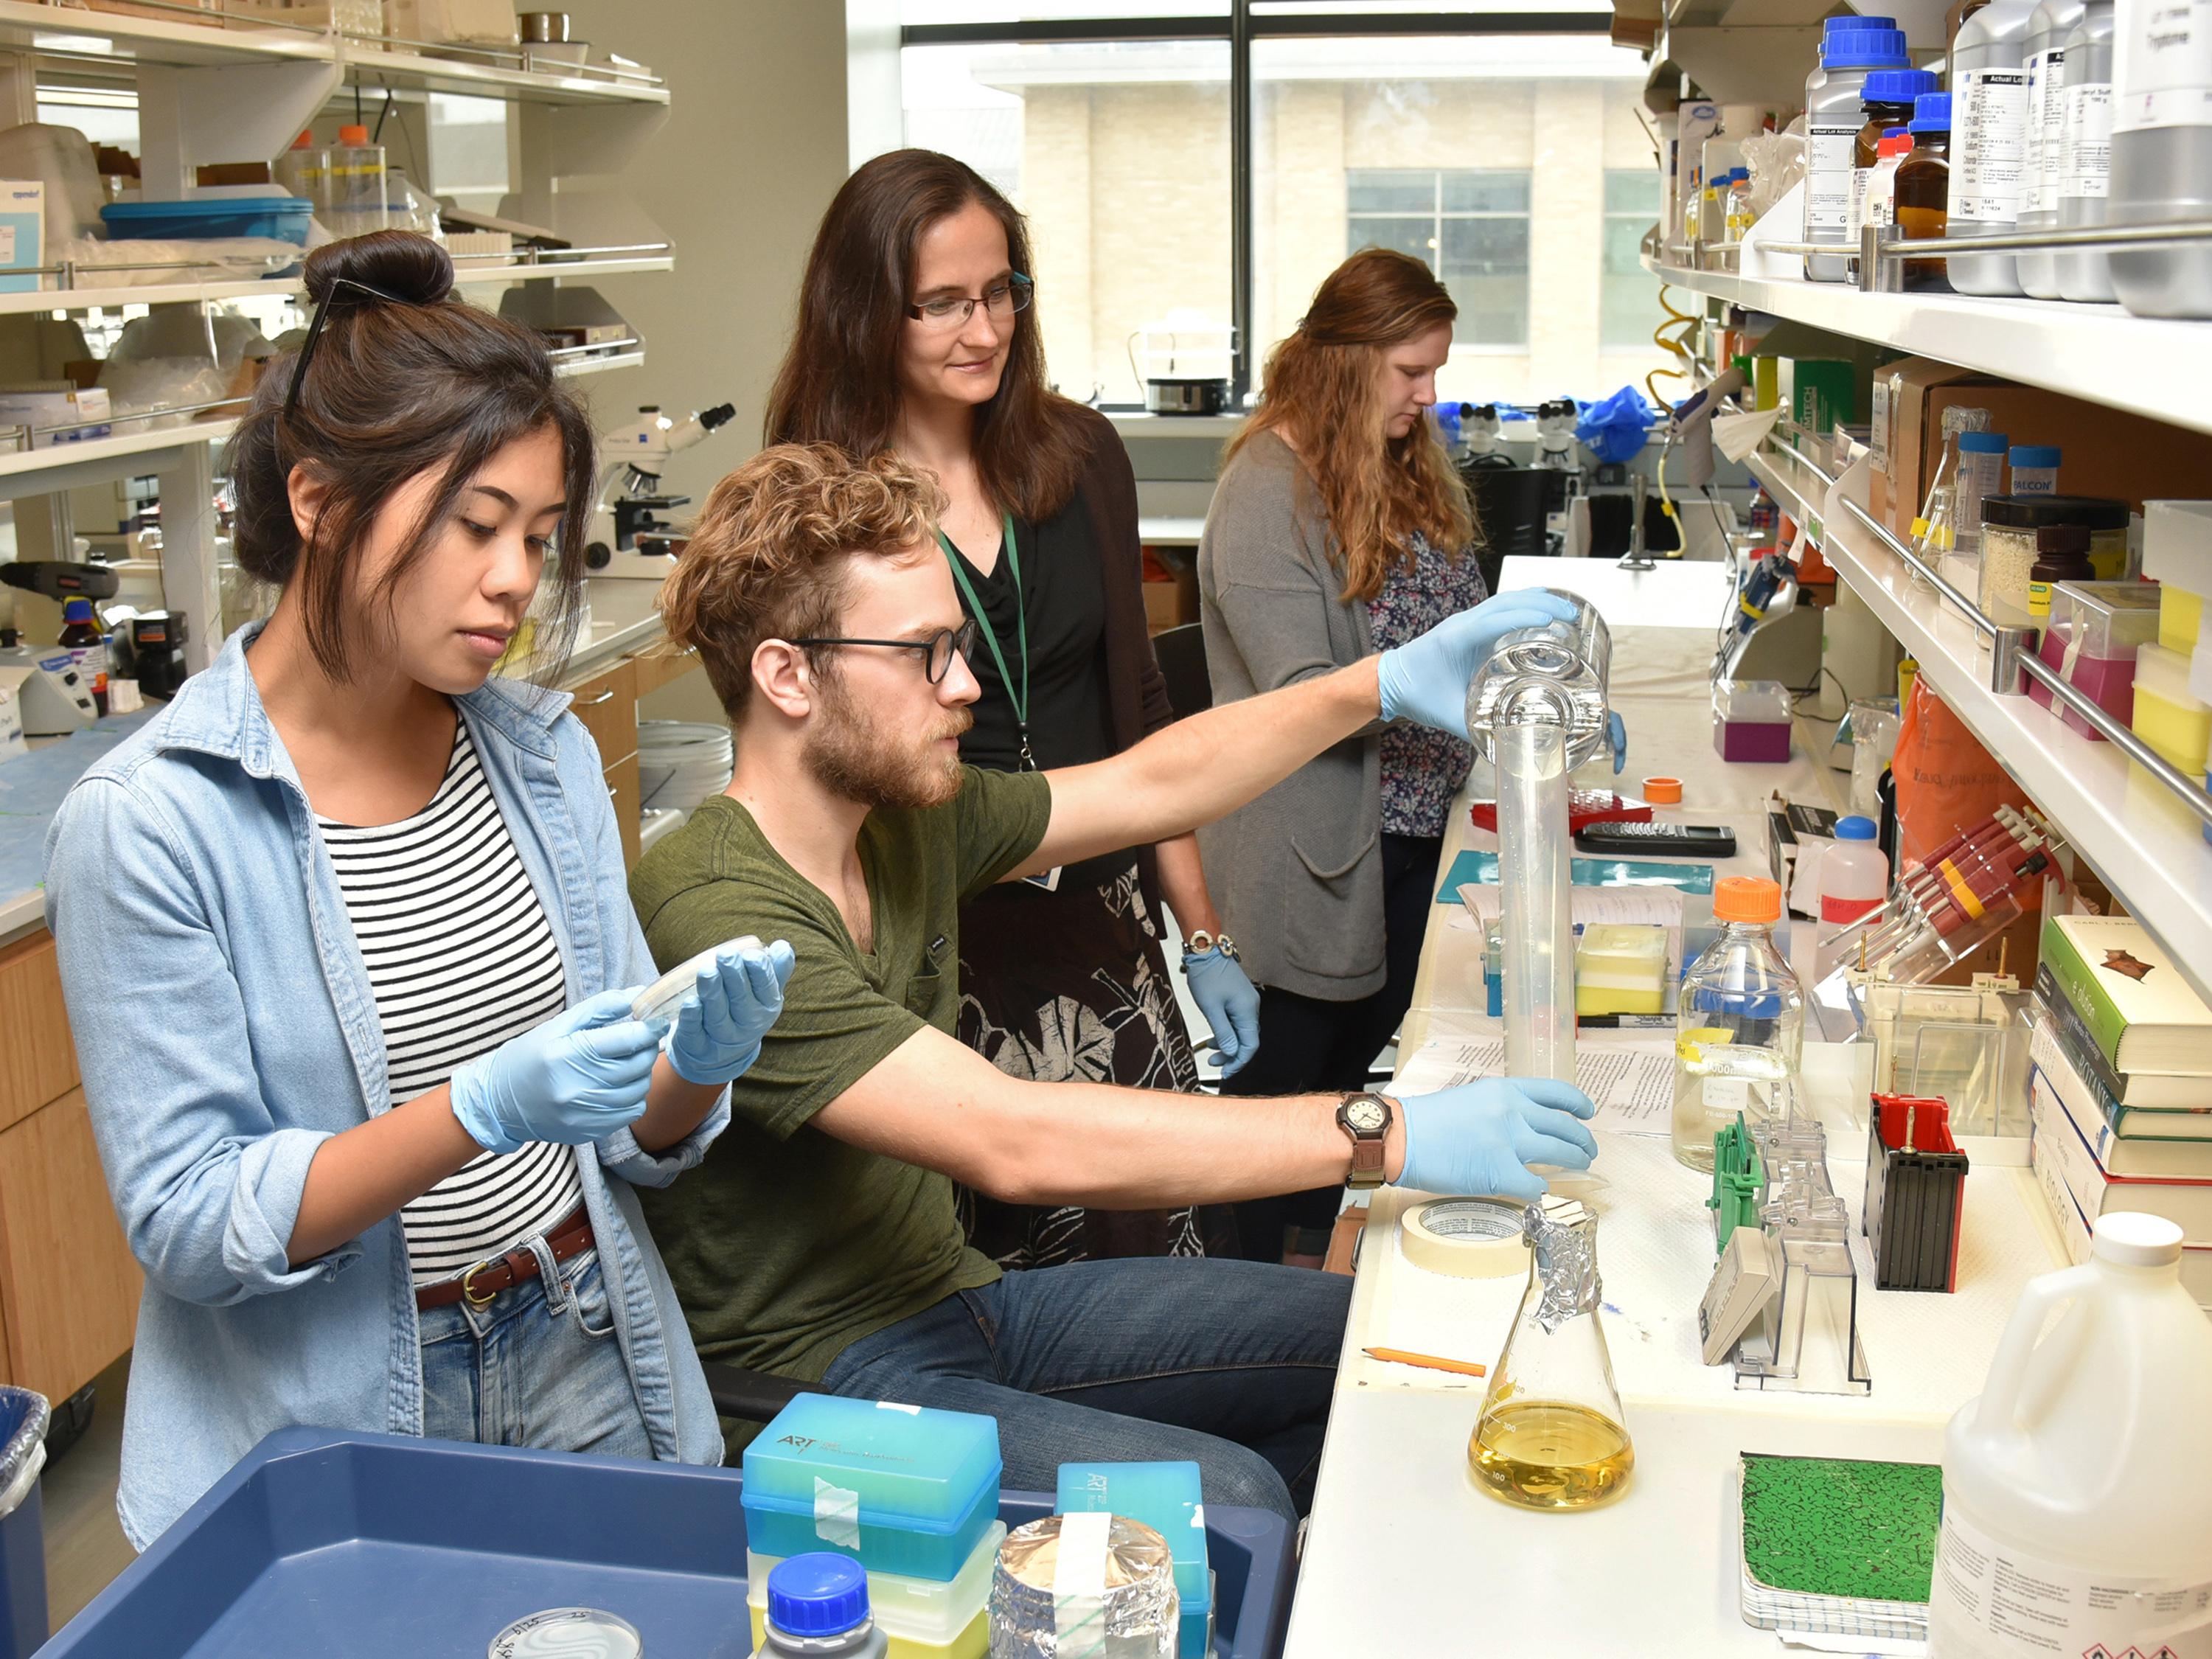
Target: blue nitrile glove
1616 730
719 1025
1426 679
1481 1137
576 1079
1225 994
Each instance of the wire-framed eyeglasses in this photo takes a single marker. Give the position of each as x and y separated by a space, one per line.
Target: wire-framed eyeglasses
936 651
1009 294
315 333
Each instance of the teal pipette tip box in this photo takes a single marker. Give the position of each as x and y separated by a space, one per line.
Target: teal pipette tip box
1165 1496
900 1489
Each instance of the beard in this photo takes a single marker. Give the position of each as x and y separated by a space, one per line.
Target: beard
857 762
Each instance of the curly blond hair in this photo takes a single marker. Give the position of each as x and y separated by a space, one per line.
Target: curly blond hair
767 557
1324 382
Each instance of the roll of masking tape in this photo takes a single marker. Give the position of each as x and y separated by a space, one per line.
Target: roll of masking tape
1465 1237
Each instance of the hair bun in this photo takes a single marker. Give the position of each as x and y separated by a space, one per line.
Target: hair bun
402 263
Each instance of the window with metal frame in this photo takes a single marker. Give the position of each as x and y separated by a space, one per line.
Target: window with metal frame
1469 226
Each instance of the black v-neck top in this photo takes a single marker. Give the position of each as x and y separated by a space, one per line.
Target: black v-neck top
1063 592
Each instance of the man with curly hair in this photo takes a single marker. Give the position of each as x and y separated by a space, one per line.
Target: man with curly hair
818 1240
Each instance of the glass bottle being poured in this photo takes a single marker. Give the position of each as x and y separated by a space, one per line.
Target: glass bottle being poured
1553 1435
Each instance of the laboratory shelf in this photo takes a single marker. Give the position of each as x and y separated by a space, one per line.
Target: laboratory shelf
20 471
2147 846
367 65
42 300
2146 365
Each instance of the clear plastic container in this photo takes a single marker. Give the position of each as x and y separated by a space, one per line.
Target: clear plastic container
300 169
2176 548
1740 1022
919 1618
2161 154
1981 473
1750 720
2043 135
2096 629
2086 171
2077 1486
1989 136
2166 716
1620 968
1834 113
353 201
901 1489
2035 468
2012 539
1124 1565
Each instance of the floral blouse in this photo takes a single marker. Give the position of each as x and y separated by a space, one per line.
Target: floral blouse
1422 769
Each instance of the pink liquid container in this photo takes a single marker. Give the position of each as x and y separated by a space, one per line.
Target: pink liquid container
1750 720
2096 629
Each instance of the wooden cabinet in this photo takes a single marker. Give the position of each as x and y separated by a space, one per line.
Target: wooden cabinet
68 1281
607 705
38 1061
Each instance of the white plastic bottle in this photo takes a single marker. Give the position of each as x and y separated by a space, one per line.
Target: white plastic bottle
2087 273
1833 116
2077 1489
1854 880
2162 151
300 169
1989 136
2044 136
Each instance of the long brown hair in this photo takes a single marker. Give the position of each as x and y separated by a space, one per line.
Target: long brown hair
406 380
1325 382
839 382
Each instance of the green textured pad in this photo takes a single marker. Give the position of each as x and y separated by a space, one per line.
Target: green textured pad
1838 1526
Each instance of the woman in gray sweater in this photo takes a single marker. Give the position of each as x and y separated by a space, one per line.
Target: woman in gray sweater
1338 529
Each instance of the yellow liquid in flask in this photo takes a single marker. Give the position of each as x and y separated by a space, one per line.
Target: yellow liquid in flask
1548 1455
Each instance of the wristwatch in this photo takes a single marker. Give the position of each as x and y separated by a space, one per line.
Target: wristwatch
1365 1117
1200 942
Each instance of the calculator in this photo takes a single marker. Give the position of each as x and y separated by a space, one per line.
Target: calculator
1697 841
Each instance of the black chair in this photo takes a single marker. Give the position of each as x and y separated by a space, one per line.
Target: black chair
751 1396
1182 655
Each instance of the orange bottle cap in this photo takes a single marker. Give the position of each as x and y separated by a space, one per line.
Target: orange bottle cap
306 140
353 135
1747 898
1663 792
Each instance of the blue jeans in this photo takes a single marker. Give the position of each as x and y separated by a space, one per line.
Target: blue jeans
1229 1364
538 1365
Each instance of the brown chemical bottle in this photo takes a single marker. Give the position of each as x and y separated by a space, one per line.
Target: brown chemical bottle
1923 188
1888 99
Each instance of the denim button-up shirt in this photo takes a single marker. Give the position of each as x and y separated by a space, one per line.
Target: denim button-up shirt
225 1028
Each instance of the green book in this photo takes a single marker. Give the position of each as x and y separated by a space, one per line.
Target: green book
2138 1010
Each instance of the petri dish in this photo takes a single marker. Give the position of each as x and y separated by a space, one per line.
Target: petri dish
569 1633
658 1000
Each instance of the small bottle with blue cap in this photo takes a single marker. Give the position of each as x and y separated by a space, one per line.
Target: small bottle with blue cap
818 1606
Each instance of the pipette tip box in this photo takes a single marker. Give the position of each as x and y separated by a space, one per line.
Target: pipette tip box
1165 1496
1915 1185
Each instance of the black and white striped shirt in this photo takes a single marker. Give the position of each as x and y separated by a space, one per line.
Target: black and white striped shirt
460 957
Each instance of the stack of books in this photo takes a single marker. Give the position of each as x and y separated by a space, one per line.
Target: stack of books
2120 1087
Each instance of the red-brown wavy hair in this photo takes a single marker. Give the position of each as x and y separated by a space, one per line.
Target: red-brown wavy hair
1325 381
839 382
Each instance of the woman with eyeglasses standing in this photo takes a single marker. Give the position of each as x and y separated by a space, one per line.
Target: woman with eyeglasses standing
348 955
917 334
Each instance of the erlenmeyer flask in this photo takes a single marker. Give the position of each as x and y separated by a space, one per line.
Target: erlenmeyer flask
1553 1435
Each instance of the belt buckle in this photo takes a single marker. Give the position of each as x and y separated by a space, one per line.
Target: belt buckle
468 1286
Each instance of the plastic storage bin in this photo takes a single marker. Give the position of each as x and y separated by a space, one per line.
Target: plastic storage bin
281 217
1619 969
921 1618
1750 720
1165 1496
365 1545
2096 629
901 1489
22 1533
2166 717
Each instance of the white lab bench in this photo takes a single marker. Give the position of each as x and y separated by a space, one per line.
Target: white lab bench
1404 1553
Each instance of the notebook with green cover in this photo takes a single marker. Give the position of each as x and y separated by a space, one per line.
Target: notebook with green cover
2143 1016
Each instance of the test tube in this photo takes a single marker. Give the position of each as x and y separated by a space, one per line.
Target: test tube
2035 469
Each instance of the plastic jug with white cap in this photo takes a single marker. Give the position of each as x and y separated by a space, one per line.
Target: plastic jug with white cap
2077 1489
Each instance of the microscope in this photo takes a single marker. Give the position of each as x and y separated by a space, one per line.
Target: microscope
627 536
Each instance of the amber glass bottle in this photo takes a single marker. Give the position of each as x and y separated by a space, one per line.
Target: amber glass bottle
1923 188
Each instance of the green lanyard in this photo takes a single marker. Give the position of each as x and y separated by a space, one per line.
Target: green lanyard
1019 699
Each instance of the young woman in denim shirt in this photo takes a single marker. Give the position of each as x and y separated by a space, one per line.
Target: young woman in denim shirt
348 955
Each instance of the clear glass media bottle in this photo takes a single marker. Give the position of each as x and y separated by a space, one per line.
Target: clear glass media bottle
1740 1024
1553 1435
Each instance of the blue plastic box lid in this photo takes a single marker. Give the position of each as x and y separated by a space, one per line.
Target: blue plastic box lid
1163 1496
279 202
912 1468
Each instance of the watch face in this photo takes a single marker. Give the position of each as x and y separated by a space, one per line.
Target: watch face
1366 1116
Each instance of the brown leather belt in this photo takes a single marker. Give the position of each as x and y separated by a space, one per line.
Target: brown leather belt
571 1236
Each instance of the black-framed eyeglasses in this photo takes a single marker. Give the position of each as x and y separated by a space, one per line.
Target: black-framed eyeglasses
1010 293
937 650
315 333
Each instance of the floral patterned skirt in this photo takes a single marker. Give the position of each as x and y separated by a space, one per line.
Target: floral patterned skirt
1072 985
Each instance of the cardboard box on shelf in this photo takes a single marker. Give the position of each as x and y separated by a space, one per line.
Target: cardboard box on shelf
1899 393
1818 393
475 22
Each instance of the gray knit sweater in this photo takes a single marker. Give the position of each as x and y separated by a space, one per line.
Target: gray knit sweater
1298 874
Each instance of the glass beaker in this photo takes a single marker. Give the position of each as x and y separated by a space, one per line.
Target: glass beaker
1553 1435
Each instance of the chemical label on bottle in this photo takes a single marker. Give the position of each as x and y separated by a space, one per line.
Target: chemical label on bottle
2162 66
1878 428
2045 133
1834 912
1990 1597
1860 178
1989 121
2089 140
1828 182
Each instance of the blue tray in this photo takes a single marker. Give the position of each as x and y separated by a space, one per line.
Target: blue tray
336 1545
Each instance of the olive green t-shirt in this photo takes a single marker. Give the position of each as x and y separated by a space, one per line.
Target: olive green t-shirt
786 1245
